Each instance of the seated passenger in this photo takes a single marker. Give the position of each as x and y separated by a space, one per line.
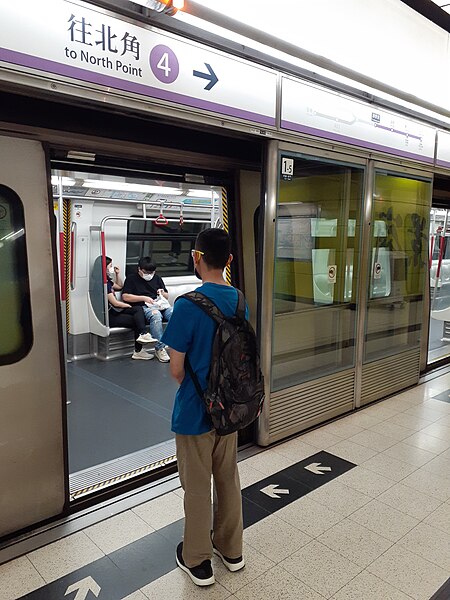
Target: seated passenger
122 314
147 289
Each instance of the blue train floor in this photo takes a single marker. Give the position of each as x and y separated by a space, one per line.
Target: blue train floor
116 408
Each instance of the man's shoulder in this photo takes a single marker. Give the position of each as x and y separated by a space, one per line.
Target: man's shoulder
130 280
218 291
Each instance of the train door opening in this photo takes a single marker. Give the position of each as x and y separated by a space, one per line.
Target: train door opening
119 409
439 265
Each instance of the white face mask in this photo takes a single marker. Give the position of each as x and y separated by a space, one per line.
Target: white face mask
148 276
111 270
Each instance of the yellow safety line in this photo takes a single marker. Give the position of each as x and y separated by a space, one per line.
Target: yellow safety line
226 227
66 226
123 477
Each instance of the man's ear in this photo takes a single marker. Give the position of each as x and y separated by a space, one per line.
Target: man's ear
230 258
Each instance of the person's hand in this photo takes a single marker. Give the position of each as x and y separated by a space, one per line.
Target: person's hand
116 270
126 305
149 300
159 292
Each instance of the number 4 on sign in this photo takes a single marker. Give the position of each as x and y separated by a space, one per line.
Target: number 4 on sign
163 64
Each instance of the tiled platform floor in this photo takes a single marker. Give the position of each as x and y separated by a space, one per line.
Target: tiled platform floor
381 531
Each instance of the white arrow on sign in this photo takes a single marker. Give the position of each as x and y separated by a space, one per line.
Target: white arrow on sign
272 492
83 588
317 469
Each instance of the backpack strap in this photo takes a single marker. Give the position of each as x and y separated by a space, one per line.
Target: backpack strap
195 381
240 309
211 309
214 313
205 304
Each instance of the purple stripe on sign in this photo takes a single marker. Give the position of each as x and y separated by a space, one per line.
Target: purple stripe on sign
405 133
56 68
443 163
354 141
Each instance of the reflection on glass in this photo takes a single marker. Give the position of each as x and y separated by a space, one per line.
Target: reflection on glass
398 265
316 271
439 252
15 314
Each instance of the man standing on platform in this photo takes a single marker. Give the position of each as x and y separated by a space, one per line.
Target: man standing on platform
201 452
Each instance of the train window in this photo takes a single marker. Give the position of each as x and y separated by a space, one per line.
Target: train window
15 315
168 245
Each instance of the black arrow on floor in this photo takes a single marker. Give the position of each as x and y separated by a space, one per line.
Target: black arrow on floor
210 76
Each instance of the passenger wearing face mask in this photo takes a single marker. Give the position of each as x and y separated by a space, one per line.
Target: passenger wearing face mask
113 274
143 289
122 314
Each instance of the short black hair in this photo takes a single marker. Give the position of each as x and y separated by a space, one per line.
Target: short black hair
145 263
216 245
108 260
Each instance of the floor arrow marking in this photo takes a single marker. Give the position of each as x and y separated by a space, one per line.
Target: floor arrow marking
272 492
83 587
317 469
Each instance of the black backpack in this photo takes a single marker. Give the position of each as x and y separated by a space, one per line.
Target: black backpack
235 392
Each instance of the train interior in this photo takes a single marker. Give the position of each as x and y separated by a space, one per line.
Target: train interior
118 409
439 262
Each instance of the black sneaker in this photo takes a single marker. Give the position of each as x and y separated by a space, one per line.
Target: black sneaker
232 564
202 574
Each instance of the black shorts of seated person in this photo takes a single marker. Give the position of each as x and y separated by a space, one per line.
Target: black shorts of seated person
134 284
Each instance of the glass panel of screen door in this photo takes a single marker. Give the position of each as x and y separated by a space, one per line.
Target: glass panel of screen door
316 269
439 256
398 264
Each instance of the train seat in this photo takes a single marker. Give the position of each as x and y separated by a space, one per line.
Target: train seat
119 341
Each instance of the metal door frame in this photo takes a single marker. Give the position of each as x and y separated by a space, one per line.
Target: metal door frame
268 258
421 173
371 167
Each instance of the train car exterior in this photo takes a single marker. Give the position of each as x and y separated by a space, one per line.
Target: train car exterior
327 198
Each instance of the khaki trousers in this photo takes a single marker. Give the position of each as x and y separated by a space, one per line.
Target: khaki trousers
199 457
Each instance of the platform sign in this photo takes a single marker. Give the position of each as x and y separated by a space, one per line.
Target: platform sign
314 110
72 40
443 149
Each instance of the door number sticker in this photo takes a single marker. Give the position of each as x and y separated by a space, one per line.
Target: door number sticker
287 168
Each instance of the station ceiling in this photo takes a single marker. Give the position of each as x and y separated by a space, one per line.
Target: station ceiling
437 11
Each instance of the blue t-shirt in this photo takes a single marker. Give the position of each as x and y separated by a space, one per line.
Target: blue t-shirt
192 331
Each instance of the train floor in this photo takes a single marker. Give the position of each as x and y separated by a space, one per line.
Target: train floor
116 408
437 348
363 513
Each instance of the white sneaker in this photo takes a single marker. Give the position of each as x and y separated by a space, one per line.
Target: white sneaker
162 355
146 338
142 355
